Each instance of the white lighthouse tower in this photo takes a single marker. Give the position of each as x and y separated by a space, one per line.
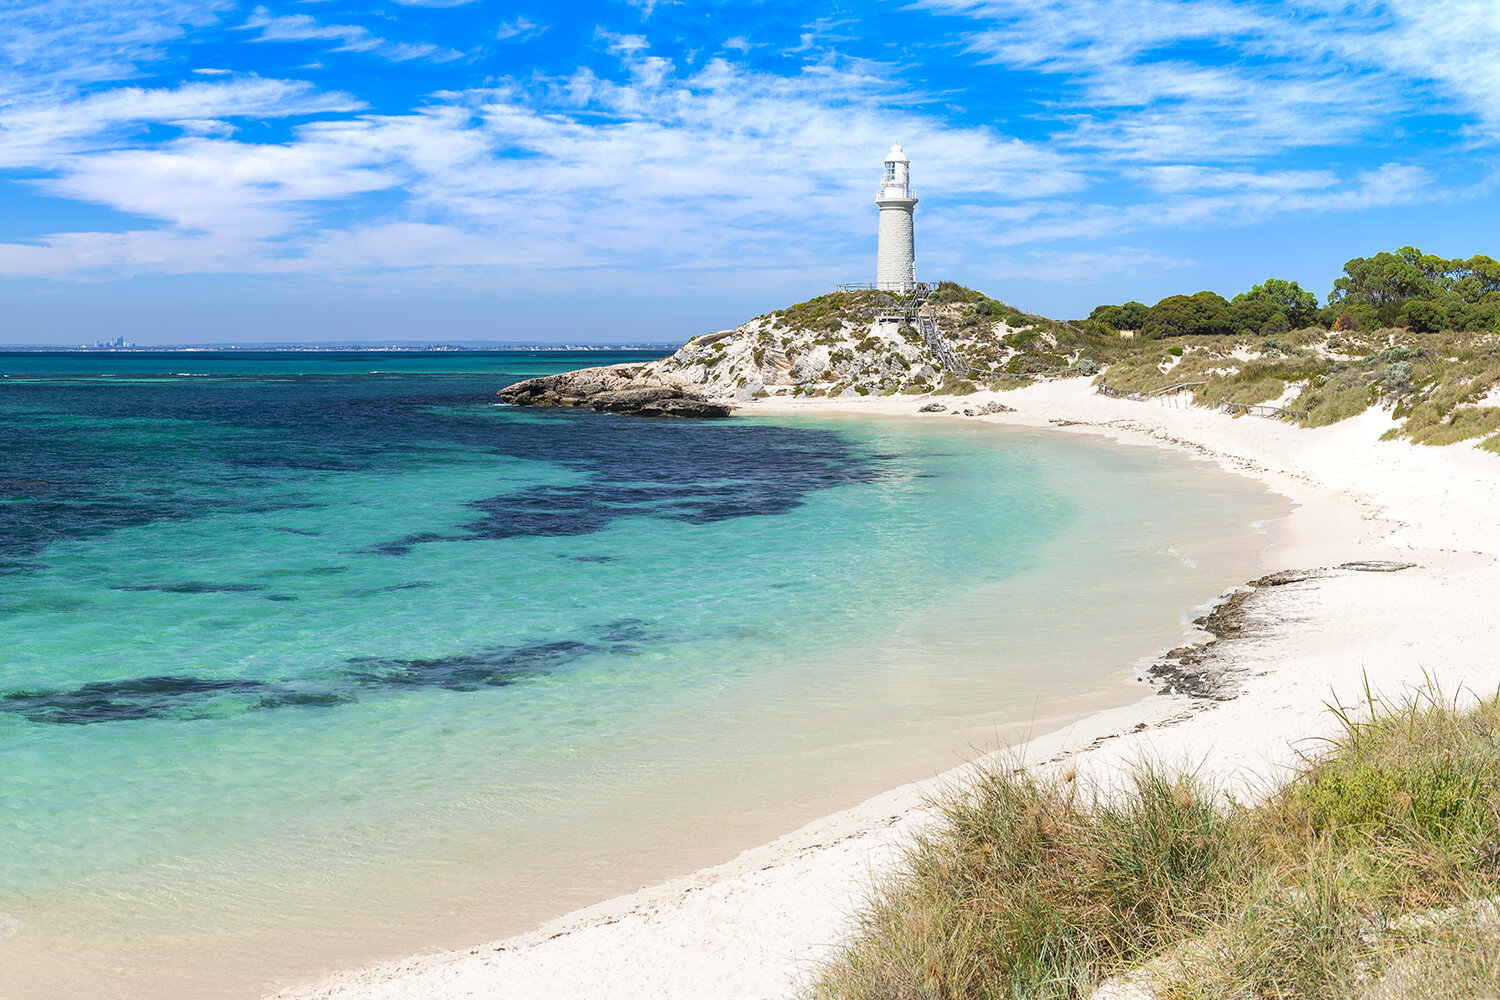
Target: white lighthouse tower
896 260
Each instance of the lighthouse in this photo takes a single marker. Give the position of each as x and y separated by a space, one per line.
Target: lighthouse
896 260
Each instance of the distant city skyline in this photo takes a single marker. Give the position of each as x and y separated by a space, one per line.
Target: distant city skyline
644 170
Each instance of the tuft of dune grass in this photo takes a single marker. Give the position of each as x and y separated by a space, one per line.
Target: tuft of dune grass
1372 872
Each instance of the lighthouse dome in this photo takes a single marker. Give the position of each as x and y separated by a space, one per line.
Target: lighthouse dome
896 156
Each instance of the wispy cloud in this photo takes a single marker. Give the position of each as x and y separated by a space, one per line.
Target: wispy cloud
648 7
43 134
519 29
350 37
1072 267
620 45
47 50
1162 80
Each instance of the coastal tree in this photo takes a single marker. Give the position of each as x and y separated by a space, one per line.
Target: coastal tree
1298 305
1189 315
1384 281
1478 280
1130 316
1404 287
1423 316
1459 291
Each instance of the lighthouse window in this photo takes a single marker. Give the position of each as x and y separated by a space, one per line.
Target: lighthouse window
890 171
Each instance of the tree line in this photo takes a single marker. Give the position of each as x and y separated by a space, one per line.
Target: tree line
1407 288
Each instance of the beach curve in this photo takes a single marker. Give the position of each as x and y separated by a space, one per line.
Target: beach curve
752 926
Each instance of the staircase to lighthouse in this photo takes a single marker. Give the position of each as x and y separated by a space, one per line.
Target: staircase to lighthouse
896 262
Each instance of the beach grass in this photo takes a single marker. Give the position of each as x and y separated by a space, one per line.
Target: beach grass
1369 874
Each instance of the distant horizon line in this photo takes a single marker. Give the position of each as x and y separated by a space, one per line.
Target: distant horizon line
340 345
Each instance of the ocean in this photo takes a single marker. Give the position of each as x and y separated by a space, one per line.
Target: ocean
315 658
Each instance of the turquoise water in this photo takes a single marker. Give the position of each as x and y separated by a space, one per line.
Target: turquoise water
315 658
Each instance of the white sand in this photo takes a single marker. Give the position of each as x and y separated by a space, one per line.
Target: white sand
749 927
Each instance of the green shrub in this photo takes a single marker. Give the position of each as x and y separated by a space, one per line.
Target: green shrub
1036 363
1463 424
1398 376
1031 889
954 386
1337 397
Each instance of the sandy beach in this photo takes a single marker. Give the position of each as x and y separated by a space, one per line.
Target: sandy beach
750 927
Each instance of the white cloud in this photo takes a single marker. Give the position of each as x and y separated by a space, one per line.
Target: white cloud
217 186
710 172
722 175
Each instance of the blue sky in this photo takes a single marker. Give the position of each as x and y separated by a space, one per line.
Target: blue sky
177 171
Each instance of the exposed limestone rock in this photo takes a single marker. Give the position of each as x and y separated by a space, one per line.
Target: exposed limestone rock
618 389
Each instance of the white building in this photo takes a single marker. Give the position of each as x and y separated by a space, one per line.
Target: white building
896 260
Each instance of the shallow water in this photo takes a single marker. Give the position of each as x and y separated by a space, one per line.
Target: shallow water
315 658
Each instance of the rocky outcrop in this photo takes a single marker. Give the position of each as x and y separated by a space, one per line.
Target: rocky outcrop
850 343
618 389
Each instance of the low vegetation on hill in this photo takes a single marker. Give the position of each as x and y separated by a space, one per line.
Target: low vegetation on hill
1372 875
857 343
1408 331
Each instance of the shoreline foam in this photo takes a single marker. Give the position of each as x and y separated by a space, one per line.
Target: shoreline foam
748 927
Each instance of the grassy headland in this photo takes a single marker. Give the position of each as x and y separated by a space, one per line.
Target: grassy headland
1409 331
